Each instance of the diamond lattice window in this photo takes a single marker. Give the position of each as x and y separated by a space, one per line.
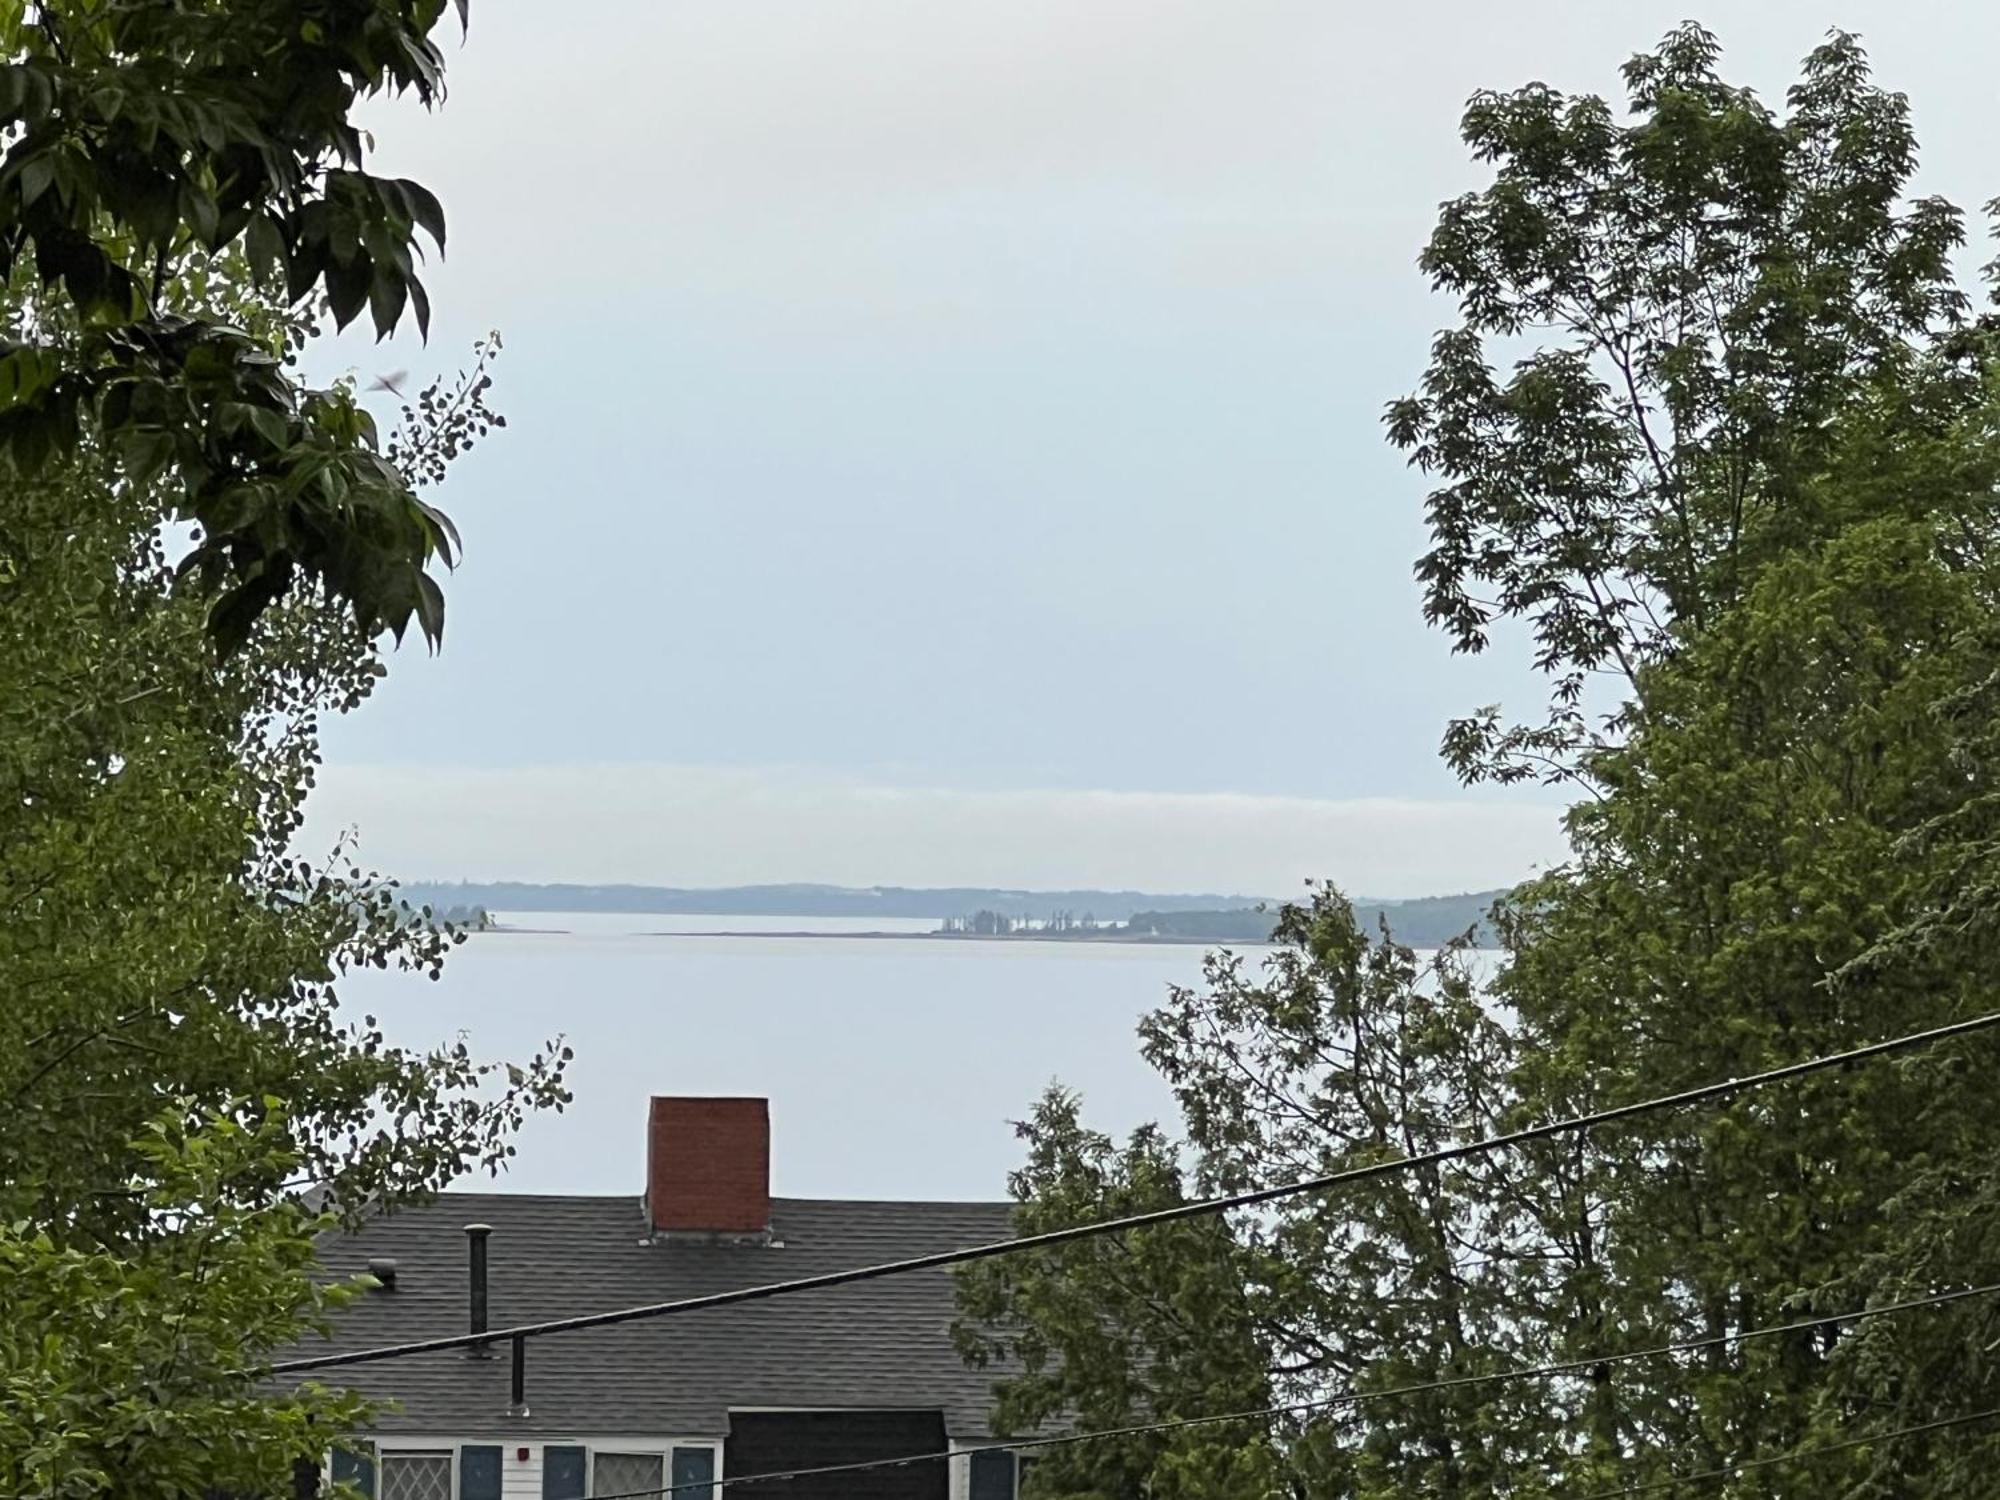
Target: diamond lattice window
623 1473
416 1476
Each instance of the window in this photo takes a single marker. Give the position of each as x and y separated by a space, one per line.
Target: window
693 1467
689 1472
414 1474
992 1475
623 1473
355 1466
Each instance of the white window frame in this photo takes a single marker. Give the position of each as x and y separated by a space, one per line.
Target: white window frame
508 1442
430 1448
647 1446
959 1485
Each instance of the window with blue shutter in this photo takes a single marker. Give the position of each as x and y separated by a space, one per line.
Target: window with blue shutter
479 1471
563 1469
693 1467
992 1475
355 1467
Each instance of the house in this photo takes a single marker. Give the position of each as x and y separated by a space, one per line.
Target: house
836 1376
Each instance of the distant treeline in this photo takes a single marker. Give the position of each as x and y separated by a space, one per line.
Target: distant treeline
938 902
1428 921
471 917
1423 923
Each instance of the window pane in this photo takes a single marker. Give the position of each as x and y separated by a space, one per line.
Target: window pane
622 1473
694 1466
992 1475
562 1472
355 1466
416 1476
479 1471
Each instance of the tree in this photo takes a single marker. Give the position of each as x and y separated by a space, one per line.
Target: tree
161 938
1342 1052
1751 477
179 1082
1739 490
1115 1332
133 134
123 1368
1733 307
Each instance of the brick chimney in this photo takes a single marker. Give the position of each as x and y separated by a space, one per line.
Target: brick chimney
708 1166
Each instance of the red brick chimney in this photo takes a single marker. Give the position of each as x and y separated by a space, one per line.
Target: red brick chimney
708 1166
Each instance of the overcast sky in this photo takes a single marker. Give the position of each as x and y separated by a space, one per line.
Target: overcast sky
944 439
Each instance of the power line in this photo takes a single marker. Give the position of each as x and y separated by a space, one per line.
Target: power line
1574 1366
1053 1237
1730 1471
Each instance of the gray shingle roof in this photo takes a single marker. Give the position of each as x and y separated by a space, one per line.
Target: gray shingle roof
879 1344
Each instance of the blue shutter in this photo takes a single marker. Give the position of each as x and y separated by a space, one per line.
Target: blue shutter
479 1471
356 1467
562 1473
992 1475
693 1466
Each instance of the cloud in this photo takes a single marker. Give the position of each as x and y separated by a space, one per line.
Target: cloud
692 825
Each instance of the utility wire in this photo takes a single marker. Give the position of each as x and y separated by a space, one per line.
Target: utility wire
1730 1471
1706 1093
1574 1366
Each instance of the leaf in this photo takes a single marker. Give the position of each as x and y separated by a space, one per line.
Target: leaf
426 209
347 288
449 545
24 374
36 175
420 303
146 454
270 425
430 609
263 246
386 296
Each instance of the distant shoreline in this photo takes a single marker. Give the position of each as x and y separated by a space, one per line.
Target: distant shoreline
1076 916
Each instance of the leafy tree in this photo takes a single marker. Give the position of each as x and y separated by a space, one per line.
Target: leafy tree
1342 1052
1738 485
1113 1332
1751 474
123 1369
177 1078
161 938
134 134
1732 309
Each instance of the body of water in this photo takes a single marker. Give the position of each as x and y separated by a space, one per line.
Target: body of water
893 1068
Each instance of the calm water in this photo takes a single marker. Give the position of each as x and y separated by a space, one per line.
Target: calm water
893 1068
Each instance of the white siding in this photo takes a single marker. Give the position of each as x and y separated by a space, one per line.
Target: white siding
521 1479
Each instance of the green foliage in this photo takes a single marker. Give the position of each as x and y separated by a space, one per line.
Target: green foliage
1110 1332
1341 1052
132 1371
160 935
138 134
1744 473
1738 304
177 1080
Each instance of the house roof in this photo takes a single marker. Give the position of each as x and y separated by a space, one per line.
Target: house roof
880 1344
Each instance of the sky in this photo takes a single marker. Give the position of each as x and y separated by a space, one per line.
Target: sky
944 440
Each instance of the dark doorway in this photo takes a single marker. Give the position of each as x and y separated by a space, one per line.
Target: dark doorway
772 1442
